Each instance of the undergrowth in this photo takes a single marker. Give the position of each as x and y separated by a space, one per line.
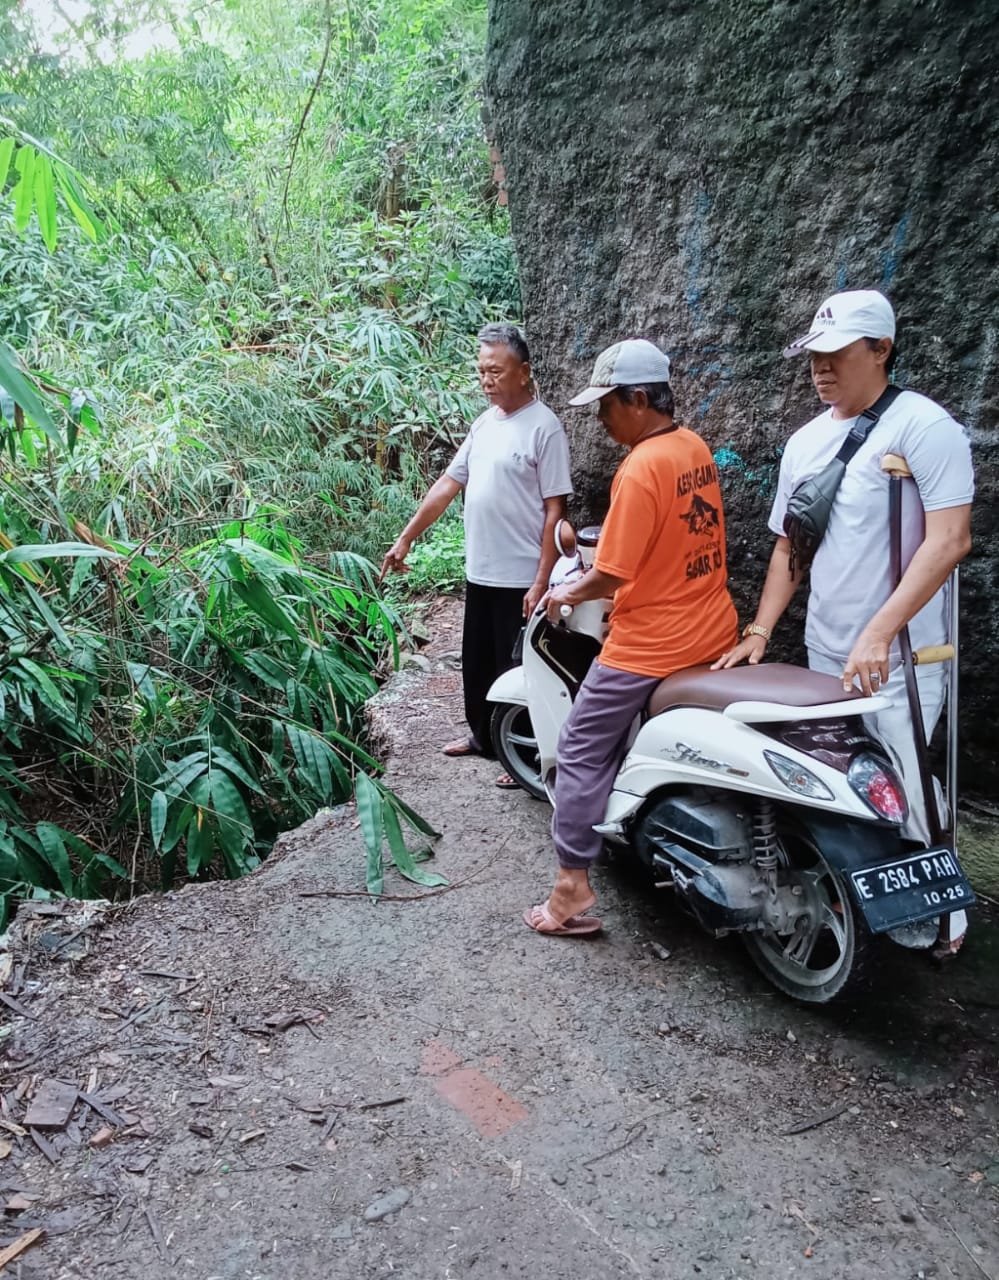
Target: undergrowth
240 279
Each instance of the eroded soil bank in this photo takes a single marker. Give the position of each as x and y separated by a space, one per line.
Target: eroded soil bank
295 1086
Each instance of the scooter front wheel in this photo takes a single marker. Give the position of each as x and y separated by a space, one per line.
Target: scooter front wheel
828 953
516 747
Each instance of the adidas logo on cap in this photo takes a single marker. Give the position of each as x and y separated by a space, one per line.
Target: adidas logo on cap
844 318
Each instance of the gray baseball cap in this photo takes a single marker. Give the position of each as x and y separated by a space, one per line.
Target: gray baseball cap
626 363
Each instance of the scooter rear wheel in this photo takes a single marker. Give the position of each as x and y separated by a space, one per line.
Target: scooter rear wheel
516 747
828 954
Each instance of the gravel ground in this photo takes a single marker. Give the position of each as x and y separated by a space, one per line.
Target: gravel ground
296 1087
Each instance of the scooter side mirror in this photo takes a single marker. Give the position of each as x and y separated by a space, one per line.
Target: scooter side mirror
586 540
565 538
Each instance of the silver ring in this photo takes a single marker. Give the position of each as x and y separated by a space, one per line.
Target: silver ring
876 675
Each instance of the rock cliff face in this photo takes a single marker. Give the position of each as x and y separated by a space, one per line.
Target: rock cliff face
702 173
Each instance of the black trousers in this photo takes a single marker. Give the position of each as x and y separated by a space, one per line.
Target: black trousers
493 618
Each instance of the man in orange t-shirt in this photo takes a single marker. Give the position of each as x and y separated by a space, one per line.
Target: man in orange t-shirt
661 556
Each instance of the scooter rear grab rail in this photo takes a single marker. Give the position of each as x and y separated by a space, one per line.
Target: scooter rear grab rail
775 712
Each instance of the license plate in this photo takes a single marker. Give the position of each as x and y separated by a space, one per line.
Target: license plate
927 884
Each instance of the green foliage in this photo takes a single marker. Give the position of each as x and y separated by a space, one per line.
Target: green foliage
236 351
437 560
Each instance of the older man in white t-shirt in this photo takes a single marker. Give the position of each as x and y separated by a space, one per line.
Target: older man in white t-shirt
855 611
513 467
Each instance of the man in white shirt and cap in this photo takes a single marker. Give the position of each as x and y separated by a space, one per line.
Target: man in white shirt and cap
855 609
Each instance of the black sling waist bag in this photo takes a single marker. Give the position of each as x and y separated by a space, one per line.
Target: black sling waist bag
809 507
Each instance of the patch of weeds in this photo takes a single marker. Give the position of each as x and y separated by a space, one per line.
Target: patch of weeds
437 561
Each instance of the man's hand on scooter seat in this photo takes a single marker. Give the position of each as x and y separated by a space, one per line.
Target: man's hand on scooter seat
868 663
750 650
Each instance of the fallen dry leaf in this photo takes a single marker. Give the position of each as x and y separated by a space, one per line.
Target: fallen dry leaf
20 1201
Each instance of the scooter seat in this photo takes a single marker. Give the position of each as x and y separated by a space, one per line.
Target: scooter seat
768 682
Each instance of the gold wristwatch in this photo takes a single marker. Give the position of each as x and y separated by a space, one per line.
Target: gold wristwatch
754 629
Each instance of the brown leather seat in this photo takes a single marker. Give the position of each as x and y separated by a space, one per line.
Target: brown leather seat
768 682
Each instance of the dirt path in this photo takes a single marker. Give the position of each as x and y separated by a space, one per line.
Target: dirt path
299 1088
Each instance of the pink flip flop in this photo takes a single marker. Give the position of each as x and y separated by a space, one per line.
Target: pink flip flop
541 920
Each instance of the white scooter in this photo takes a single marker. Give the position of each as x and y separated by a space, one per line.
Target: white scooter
757 793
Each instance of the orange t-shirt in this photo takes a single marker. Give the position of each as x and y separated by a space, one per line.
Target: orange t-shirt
665 536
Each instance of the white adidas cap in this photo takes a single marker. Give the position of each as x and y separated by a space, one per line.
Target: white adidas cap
625 364
845 317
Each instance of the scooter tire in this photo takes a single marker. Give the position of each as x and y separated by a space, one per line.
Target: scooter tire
850 945
516 748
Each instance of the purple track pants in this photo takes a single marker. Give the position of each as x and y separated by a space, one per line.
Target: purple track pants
590 750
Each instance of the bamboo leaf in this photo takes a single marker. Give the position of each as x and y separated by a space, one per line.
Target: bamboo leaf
412 817
52 843
158 805
319 756
51 621
199 842
232 765
181 773
45 203
19 387
87 220
48 692
229 805
369 812
28 448
265 668
7 146
112 864
257 598
401 856
24 193
53 551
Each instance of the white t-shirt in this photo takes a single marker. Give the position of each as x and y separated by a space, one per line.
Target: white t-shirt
851 572
508 465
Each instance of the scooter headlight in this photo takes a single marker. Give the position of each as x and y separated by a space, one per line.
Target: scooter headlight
879 786
797 778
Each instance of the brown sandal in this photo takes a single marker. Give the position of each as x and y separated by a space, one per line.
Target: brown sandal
541 920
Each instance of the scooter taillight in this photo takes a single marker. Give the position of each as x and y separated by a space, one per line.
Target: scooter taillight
879 786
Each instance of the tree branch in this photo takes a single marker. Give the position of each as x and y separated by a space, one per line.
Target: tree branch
305 112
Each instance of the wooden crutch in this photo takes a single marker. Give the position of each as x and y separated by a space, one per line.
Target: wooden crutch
898 471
